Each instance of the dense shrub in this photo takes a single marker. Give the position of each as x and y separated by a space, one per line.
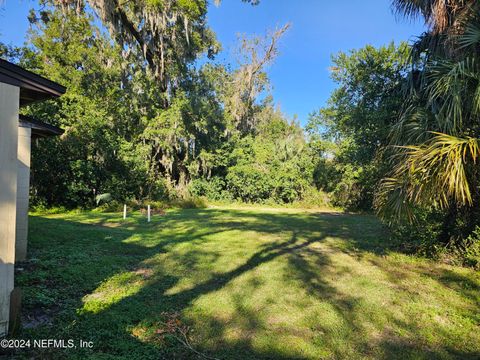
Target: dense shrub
213 189
190 202
421 236
424 237
327 174
346 192
160 191
313 198
249 184
471 247
111 206
288 187
243 184
356 187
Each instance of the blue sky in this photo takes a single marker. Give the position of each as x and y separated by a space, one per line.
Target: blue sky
320 28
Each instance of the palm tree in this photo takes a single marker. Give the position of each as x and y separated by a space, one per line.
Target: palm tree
439 14
435 143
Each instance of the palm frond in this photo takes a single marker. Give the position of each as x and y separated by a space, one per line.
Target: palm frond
449 86
412 125
470 37
429 175
392 202
438 14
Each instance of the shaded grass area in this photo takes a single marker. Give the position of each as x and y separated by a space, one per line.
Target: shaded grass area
246 283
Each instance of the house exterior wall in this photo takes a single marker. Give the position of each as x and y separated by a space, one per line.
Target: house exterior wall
23 189
9 104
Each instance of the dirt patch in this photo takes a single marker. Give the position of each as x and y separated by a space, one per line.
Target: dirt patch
37 317
145 273
107 224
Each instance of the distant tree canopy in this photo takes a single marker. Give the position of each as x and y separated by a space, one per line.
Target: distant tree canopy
357 121
212 130
168 34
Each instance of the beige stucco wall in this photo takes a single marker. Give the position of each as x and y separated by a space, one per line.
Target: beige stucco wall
9 104
23 188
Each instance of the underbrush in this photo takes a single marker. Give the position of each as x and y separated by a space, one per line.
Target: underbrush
189 202
466 253
114 206
51 210
423 239
313 198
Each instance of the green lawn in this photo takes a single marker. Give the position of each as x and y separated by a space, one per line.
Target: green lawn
240 283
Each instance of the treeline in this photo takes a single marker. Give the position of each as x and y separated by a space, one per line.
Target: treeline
209 130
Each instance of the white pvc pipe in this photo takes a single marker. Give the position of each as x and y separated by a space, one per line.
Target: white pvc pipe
124 211
148 212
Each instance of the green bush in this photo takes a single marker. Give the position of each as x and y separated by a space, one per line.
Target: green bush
326 174
42 208
471 249
213 189
249 184
253 184
157 205
355 188
160 191
421 236
347 192
424 237
288 187
313 198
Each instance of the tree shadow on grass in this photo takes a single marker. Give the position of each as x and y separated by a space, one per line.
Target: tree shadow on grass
68 260
76 260
379 332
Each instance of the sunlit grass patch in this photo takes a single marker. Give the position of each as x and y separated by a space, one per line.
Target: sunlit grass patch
245 283
113 290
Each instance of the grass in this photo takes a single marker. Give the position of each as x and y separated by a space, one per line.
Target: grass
241 283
